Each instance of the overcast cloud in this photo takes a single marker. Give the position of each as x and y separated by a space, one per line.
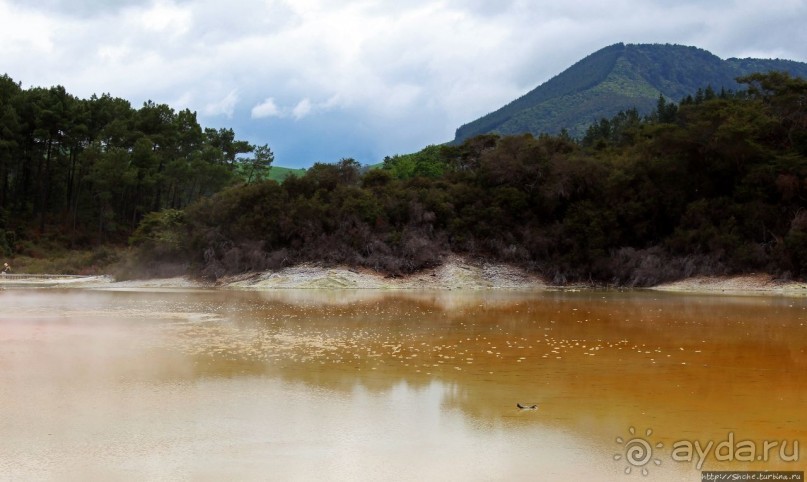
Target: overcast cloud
319 80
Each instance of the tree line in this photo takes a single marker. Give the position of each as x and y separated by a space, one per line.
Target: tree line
715 184
85 171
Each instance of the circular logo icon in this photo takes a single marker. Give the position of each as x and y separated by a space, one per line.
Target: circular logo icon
638 452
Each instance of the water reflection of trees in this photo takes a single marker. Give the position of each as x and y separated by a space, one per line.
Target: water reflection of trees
683 364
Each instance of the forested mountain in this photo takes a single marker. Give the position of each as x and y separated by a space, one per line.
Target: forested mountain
616 78
714 185
85 171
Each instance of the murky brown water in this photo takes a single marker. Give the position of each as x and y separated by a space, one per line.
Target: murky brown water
291 385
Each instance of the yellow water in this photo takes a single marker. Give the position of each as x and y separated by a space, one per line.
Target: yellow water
373 385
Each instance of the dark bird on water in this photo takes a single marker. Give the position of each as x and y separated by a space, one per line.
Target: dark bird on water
527 407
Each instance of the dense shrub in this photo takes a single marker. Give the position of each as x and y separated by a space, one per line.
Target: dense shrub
715 186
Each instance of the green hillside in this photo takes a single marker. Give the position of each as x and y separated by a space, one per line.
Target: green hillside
279 173
616 78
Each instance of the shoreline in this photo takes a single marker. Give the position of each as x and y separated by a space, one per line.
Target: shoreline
762 284
455 273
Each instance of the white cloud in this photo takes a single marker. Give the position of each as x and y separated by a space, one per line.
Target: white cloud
267 108
302 109
225 106
24 31
166 17
426 65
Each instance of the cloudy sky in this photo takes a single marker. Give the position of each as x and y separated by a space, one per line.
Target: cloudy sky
319 80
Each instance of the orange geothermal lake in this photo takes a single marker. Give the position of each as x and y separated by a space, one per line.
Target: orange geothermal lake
398 385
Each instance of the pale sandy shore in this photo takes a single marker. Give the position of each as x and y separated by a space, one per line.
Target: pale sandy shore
455 274
744 284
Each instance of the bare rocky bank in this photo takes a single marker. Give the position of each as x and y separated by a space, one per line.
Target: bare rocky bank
750 283
456 273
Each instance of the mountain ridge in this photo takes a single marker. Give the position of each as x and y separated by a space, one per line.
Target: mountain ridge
618 77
